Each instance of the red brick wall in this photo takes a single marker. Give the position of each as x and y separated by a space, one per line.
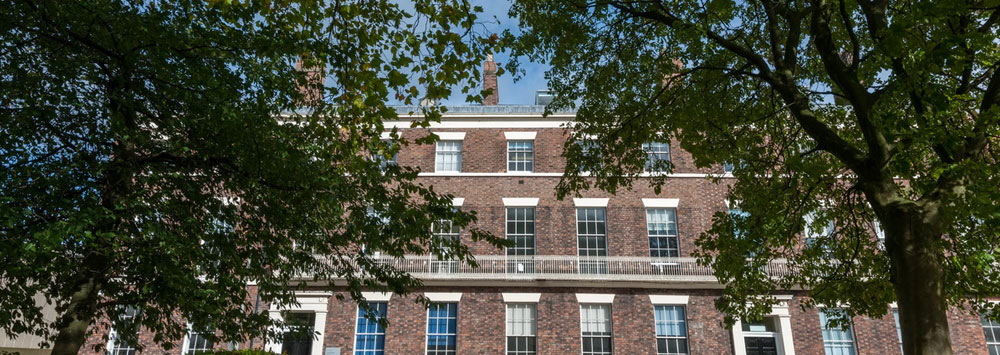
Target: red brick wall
482 325
877 336
556 220
482 322
481 312
96 344
706 332
341 319
805 329
484 150
966 333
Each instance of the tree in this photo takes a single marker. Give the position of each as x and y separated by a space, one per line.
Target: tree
855 111
160 155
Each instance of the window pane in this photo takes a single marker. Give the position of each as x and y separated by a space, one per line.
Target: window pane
588 148
521 328
370 335
520 155
119 344
661 226
836 341
814 228
197 342
991 329
521 230
739 217
595 325
657 156
671 330
449 156
442 324
591 239
382 156
298 339
444 232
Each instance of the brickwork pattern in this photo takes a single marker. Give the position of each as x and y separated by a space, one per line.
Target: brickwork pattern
481 311
484 150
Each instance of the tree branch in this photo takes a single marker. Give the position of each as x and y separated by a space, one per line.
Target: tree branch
827 138
849 27
847 79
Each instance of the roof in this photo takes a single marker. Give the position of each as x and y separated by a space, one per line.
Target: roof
475 110
485 110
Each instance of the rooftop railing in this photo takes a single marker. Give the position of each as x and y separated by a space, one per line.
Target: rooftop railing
562 267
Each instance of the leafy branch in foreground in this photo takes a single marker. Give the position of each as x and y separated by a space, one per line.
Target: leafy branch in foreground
870 116
161 155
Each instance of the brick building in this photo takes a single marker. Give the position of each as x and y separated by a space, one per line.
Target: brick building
600 274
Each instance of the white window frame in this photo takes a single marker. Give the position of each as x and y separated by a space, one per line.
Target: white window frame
112 346
508 235
187 342
841 344
533 333
675 235
809 219
357 329
453 233
314 302
438 164
610 325
531 161
994 327
428 334
783 336
683 321
647 149
593 266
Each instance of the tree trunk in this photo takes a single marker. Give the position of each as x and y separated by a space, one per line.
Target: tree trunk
79 314
918 276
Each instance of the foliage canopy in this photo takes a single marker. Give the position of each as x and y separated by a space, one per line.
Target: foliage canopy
856 111
158 154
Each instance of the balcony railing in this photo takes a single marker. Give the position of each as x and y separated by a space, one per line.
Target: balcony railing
560 267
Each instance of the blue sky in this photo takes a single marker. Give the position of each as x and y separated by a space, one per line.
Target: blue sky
495 20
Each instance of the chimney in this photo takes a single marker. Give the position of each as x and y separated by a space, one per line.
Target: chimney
312 88
673 78
490 81
838 98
